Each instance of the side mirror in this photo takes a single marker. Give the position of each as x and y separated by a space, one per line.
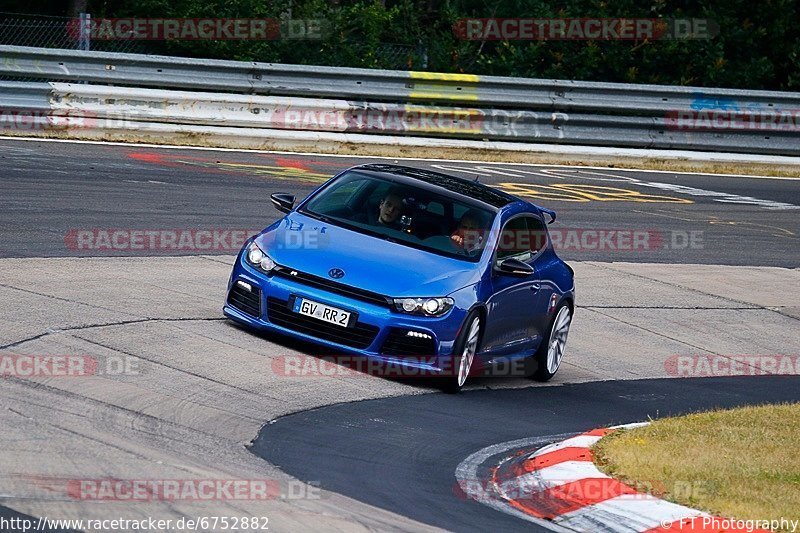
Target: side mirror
282 201
515 267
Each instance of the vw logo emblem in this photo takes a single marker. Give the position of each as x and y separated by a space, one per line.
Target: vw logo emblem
336 273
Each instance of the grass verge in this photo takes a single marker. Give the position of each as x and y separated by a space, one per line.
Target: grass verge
740 463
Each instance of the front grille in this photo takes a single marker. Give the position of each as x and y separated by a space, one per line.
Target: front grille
359 336
332 286
400 344
248 302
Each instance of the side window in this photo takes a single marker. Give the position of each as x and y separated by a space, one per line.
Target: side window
522 238
514 241
459 210
538 234
435 208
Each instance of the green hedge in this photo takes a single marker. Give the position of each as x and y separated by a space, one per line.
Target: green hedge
757 46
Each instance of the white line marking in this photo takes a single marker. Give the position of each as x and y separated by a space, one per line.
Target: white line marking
631 426
581 441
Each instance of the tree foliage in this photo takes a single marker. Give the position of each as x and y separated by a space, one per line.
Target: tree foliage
757 46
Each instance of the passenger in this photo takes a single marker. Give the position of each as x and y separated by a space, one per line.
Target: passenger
468 236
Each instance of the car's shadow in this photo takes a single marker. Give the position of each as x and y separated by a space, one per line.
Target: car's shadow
481 379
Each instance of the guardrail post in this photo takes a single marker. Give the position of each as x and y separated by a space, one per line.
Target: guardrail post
422 52
85 35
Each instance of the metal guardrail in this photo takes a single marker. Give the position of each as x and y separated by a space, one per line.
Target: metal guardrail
25 96
262 95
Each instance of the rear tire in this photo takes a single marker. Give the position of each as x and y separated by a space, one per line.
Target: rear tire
466 346
550 353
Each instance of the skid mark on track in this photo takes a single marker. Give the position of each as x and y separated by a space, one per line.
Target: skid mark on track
183 371
775 231
107 324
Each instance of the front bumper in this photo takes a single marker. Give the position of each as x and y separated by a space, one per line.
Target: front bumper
277 291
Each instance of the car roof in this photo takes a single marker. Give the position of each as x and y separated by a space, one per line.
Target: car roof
443 183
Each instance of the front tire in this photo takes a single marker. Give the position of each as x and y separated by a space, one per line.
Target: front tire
464 351
549 355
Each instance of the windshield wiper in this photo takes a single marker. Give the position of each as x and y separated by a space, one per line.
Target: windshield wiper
319 216
326 218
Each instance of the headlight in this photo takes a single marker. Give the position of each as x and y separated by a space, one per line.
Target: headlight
423 306
257 258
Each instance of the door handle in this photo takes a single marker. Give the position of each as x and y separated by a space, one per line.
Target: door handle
535 286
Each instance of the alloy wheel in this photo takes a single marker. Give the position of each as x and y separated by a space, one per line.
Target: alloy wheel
558 339
468 354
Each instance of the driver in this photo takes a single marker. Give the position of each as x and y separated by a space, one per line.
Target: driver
389 210
388 214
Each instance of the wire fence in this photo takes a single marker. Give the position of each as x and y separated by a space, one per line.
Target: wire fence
57 32
63 32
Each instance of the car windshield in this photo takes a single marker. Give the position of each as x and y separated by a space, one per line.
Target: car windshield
402 213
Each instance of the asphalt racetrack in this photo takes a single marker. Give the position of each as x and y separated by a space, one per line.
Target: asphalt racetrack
401 453
181 393
51 188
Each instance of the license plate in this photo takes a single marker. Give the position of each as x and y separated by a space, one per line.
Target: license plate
322 312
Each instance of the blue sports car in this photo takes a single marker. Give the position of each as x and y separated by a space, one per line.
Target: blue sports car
412 269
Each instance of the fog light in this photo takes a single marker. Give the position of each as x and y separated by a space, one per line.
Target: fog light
245 286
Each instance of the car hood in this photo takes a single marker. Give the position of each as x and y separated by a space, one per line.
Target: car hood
309 245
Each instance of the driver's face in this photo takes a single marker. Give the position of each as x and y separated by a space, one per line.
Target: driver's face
390 209
468 224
